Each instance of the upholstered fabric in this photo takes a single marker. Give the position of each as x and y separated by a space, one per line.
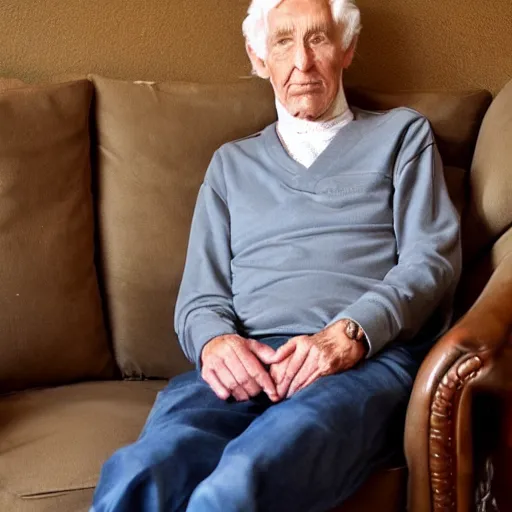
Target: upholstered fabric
51 325
78 500
154 142
490 212
476 274
54 441
456 181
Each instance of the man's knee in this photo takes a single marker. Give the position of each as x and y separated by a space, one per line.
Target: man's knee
234 482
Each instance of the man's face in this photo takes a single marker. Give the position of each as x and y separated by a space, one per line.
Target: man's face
305 58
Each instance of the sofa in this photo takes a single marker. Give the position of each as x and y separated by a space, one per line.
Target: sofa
98 180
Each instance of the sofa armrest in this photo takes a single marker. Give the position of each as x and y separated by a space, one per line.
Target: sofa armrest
474 356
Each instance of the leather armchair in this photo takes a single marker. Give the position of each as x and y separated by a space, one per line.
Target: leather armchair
474 357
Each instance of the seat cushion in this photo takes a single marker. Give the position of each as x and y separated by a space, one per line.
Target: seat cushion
51 323
78 500
54 441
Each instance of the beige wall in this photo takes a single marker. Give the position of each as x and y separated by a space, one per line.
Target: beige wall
404 44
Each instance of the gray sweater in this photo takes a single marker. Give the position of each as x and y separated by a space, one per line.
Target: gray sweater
368 232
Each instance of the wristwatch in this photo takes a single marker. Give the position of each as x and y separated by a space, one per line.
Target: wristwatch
356 333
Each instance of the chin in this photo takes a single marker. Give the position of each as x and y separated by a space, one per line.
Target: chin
306 109
310 114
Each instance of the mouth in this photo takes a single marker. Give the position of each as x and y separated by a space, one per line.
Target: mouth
304 87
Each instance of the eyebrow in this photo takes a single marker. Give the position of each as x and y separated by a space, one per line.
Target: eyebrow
282 32
289 30
318 27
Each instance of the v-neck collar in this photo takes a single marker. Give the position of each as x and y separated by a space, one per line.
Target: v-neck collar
341 144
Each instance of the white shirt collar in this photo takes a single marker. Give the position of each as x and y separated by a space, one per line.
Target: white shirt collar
305 140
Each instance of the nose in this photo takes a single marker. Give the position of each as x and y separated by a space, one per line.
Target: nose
303 57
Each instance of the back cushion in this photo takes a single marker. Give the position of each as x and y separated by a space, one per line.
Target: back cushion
154 144
51 325
490 208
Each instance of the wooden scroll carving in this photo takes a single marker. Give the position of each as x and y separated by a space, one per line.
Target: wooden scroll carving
441 436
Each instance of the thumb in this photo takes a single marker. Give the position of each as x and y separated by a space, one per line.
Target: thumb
283 352
263 352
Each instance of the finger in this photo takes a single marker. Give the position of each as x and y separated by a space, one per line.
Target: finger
263 352
309 367
258 373
285 350
296 362
218 388
314 376
278 370
228 380
241 374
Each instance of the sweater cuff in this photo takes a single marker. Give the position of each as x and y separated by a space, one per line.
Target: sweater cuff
373 319
201 332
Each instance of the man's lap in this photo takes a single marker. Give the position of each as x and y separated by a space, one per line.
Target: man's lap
383 379
330 436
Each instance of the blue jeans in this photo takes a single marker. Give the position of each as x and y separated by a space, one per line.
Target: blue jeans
308 453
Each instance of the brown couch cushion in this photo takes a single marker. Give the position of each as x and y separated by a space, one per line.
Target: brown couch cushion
490 208
51 326
67 501
155 142
55 441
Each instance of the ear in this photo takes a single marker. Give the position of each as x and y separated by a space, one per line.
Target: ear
258 64
348 57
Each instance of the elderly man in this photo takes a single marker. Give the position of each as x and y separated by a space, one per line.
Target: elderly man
322 260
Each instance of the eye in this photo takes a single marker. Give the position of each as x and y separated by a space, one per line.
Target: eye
317 39
283 41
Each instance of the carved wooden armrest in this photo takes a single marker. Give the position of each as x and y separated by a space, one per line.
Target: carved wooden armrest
475 355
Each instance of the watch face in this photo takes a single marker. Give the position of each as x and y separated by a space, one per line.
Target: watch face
353 331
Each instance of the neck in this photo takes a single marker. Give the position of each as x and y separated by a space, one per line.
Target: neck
305 140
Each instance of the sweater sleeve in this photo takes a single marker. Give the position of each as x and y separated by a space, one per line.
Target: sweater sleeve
426 229
204 307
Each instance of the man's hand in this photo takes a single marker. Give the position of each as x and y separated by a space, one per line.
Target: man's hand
303 359
231 365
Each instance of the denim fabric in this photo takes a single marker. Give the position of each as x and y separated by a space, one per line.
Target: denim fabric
305 454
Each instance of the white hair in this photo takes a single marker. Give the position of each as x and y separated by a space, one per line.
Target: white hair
255 27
